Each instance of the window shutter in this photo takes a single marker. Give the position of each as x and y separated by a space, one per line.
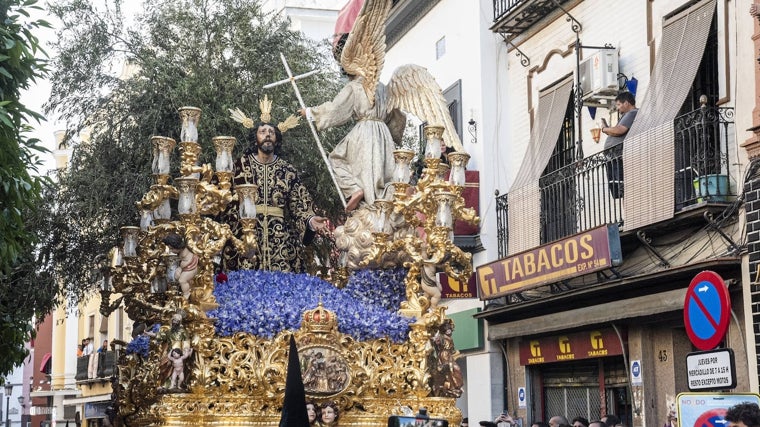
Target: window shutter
524 196
648 156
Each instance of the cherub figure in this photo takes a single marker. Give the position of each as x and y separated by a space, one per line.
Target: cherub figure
177 358
188 262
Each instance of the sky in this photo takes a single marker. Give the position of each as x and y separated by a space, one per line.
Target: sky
39 92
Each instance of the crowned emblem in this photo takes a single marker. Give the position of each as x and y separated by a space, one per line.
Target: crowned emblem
320 320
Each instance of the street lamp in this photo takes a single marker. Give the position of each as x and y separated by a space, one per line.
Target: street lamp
8 391
23 407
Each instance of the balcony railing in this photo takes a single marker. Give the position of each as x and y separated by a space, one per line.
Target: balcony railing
702 156
513 17
104 368
503 7
583 195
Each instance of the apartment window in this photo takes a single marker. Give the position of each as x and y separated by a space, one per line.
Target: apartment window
91 327
453 96
440 48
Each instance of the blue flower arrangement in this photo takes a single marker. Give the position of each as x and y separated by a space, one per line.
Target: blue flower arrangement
265 303
141 343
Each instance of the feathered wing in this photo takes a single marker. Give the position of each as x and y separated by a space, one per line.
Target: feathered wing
364 52
413 89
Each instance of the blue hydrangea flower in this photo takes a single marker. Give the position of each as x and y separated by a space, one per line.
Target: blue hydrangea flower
264 303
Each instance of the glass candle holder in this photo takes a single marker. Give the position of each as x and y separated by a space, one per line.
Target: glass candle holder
129 234
146 219
223 146
247 194
163 212
382 223
171 262
162 153
433 138
186 204
116 257
158 285
190 117
458 161
402 172
443 216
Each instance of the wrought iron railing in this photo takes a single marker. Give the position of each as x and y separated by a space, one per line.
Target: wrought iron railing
581 196
586 194
703 168
105 367
502 224
503 7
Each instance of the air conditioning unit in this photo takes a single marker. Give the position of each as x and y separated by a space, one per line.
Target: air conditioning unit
599 76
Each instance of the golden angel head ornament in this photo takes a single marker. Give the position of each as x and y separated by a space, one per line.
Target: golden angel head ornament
265 105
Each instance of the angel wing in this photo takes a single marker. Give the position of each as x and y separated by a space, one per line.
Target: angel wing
364 52
413 89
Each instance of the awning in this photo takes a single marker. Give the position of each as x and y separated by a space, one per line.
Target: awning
43 364
524 195
648 150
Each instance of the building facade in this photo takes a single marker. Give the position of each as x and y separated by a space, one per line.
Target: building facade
536 76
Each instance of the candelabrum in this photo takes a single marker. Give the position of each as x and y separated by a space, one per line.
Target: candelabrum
149 271
430 207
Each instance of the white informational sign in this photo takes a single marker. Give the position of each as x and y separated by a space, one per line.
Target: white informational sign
522 400
711 370
636 378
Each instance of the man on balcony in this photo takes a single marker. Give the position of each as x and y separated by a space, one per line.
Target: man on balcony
625 103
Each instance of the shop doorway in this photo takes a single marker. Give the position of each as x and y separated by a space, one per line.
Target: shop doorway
573 389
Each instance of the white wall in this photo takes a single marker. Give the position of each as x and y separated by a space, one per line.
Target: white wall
314 18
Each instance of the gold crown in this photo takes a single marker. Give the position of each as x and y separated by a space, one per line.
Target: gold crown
319 319
265 105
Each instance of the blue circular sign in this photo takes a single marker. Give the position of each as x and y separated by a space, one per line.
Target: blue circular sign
707 309
521 394
636 369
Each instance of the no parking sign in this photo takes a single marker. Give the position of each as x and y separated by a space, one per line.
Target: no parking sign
706 310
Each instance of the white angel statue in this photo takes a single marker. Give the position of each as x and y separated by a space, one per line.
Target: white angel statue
363 160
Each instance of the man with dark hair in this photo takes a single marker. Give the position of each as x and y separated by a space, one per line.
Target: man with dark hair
284 209
597 423
579 422
611 420
625 103
745 414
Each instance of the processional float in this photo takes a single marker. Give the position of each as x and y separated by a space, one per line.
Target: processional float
238 378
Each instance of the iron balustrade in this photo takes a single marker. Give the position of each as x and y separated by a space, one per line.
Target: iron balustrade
703 167
579 197
503 7
502 224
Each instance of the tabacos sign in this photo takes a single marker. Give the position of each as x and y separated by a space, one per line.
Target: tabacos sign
583 253
576 346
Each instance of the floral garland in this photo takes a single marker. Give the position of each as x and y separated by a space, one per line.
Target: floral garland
265 303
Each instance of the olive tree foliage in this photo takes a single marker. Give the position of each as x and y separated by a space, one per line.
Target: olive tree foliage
118 84
25 295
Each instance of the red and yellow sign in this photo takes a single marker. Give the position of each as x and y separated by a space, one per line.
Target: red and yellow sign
582 345
453 288
583 253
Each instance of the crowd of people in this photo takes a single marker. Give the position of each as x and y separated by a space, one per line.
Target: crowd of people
746 414
86 349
